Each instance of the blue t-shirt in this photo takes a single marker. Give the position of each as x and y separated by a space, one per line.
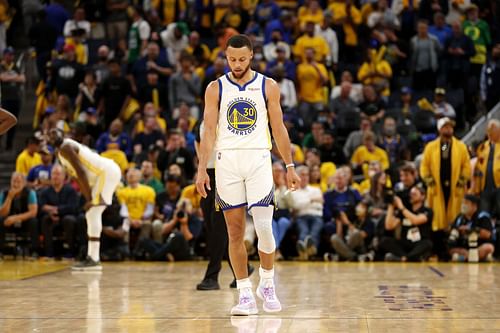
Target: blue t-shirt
32 200
40 171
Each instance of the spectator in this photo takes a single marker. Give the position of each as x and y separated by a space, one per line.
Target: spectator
311 78
152 61
115 136
29 157
356 93
487 170
471 221
287 89
282 60
57 16
376 198
116 21
458 49
185 86
311 41
101 68
445 169
330 36
43 38
115 94
176 153
373 106
367 153
479 31
415 243
118 156
271 48
428 8
236 16
174 40
355 139
376 72
490 79
440 29
149 136
148 178
346 19
407 105
313 138
150 111
352 239
138 35
330 151
425 56
281 216
310 12
114 236
68 73
393 144
213 72
87 93
441 107
266 11
343 103
12 80
18 210
286 23
58 208
137 205
78 22
307 204
39 176
408 177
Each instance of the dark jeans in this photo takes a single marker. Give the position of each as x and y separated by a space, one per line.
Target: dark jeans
414 251
13 106
310 226
175 245
68 225
29 227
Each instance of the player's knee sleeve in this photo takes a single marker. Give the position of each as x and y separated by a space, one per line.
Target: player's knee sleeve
94 221
263 223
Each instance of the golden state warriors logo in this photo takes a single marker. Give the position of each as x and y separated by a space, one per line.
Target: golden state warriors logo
241 116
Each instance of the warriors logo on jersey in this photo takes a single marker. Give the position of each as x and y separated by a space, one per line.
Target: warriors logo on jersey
241 116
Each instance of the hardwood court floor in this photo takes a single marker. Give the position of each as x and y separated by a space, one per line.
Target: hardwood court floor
317 297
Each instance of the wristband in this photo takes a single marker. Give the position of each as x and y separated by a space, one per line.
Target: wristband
291 165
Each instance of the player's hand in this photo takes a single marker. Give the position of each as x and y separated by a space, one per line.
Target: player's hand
202 181
292 179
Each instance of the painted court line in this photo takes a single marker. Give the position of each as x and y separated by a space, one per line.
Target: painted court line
435 270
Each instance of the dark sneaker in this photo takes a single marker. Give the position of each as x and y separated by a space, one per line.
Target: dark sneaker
208 284
392 257
250 271
87 265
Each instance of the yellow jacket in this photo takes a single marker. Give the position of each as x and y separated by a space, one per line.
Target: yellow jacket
483 152
430 171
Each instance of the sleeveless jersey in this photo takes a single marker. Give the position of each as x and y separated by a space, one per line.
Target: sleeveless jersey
243 120
93 164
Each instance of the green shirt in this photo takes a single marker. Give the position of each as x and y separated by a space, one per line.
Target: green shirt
155 184
479 32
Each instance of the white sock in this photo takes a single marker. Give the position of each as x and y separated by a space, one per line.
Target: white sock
93 250
244 284
266 275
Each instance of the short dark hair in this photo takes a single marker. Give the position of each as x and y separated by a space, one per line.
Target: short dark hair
239 41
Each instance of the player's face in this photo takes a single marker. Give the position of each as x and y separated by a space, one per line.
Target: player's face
55 137
239 60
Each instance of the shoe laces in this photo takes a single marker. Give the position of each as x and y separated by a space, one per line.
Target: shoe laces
269 293
245 299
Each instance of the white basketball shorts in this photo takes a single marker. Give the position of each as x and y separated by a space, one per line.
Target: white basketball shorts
244 178
106 183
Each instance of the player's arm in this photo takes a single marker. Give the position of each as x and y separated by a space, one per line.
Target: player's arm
210 118
7 121
280 133
69 153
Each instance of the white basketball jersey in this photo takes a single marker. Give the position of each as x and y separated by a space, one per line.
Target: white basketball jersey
243 121
93 164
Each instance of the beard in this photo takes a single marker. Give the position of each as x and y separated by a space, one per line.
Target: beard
242 73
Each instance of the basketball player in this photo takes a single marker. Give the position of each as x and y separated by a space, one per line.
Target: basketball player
238 109
97 178
7 121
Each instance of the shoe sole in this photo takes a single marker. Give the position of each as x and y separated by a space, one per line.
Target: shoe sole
259 295
237 312
87 269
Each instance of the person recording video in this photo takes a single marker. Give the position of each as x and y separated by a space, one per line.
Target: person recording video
414 242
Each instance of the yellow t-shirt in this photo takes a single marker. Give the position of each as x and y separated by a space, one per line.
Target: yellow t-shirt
25 162
189 192
339 11
297 154
327 170
305 15
363 157
136 199
382 67
169 7
318 43
118 156
311 88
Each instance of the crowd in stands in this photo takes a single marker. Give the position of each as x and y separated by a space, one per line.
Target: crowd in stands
374 93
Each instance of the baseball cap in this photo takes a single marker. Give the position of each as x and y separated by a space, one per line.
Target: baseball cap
69 48
444 121
406 90
472 198
8 50
91 110
440 91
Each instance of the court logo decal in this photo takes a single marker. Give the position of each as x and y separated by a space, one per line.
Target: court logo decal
411 298
241 116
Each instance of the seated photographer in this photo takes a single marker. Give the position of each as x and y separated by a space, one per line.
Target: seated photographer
471 221
408 177
59 206
165 205
18 210
353 238
114 236
179 235
414 243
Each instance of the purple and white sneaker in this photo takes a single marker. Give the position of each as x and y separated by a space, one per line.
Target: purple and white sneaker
267 293
246 305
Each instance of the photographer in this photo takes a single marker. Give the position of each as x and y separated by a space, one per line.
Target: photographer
415 243
470 221
179 234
